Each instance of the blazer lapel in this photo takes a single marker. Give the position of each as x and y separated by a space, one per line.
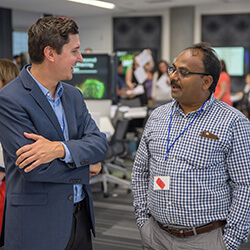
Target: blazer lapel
69 113
41 100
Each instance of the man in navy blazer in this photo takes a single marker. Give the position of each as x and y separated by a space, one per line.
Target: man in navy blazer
51 146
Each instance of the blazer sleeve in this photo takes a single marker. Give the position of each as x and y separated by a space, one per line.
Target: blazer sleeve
92 145
16 119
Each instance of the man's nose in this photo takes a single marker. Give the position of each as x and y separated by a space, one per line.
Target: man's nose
79 59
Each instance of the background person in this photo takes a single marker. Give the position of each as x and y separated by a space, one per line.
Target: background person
18 61
222 91
244 98
161 90
8 71
132 82
191 175
51 146
88 50
120 84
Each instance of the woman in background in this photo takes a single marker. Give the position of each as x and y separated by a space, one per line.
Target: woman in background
132 81
222 90
161 89
8 72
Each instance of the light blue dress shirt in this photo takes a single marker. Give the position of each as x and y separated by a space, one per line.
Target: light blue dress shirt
56 105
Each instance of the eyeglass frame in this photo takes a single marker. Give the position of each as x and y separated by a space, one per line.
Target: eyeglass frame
171 70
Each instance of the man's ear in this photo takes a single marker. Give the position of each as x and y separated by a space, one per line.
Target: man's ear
49 53
207 82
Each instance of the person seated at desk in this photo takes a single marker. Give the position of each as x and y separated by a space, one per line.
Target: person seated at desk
121 86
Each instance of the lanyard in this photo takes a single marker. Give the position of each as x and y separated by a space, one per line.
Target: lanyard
169 129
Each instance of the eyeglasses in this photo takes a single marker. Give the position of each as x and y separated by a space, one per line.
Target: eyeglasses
183 73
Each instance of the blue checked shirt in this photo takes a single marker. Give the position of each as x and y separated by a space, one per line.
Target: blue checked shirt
56 105
209 177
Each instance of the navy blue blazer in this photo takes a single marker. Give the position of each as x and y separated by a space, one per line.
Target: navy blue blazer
39 204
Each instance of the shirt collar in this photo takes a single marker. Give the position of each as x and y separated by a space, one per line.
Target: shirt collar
208 104
46 92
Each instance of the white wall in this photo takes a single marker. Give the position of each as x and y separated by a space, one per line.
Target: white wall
22 20
97 32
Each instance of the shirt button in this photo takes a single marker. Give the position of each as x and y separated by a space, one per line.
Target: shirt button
173 159
70 197
172 222
169 203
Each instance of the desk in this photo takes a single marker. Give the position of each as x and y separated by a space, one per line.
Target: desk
130 112
136 113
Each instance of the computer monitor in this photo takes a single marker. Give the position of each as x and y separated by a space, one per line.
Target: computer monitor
93 77
234 59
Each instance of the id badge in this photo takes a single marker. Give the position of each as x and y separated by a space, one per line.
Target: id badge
161 182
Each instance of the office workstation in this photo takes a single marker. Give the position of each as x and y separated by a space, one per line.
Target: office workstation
115 36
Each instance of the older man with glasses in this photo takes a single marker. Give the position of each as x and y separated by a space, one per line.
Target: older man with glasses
191 176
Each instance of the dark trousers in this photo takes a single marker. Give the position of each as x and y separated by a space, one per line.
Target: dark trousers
80 238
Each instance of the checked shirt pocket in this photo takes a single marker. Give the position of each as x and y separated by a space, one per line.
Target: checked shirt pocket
205 153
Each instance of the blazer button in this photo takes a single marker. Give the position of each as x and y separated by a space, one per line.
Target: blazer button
83 162
70 197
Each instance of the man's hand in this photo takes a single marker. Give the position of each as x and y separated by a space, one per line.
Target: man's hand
95 169
40 152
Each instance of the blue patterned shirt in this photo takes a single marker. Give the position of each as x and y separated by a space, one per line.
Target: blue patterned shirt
209 175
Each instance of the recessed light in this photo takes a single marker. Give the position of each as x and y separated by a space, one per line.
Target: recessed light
96 3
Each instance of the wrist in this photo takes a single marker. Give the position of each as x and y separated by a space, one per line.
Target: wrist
59 149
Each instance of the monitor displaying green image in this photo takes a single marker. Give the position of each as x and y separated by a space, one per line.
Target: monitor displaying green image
93 76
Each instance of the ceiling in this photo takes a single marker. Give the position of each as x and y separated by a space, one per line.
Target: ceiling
123 7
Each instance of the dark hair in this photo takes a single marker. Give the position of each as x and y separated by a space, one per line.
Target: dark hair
16 56
210 61
49 31
223 66
158 69
8 71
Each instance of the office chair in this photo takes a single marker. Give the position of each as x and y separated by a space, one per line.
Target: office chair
117 147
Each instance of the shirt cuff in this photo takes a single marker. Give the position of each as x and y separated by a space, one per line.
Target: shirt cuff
232 242
67 158
2 169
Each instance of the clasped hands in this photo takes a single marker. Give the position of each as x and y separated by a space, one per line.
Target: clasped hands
43 151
